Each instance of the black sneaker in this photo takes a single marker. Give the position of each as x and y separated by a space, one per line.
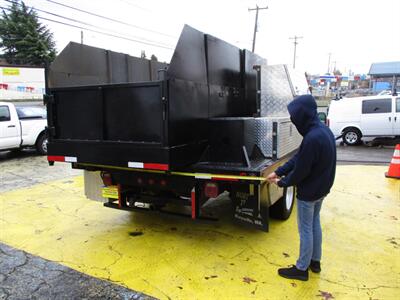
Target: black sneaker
315 266
293 273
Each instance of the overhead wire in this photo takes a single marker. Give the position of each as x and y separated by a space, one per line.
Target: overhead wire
110 19
85 23
99 32
134 5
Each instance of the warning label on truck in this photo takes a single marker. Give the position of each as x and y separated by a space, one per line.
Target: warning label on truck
110 192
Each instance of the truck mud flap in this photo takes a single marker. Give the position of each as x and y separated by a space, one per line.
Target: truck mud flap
248 207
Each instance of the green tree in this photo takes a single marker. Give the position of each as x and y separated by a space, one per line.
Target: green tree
23 39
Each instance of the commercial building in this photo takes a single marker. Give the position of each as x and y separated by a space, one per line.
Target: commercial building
21 82
384 76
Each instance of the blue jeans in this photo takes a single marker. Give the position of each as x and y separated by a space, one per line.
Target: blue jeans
310 232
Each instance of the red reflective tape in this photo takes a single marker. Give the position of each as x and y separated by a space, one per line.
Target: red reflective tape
55 158
224 179
193 198
151 166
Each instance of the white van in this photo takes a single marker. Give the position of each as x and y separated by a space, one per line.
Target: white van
372 116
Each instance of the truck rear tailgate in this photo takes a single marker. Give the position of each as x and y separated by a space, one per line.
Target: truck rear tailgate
108 124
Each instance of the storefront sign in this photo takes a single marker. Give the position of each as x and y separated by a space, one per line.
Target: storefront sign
10 71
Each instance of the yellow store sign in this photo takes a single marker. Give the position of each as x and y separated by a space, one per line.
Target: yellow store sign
10 71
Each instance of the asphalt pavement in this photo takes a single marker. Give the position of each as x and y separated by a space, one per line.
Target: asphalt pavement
365 154
25 168
26 276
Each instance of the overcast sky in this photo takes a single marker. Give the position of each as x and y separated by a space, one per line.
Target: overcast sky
356 33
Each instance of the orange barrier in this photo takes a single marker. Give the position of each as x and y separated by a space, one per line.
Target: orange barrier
394 167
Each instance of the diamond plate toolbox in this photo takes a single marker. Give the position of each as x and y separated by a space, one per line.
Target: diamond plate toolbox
288 139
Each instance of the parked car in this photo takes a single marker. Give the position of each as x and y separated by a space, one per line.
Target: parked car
370 116
322 117
387 92
22 127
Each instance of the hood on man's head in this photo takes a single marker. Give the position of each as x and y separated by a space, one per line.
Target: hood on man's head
303 112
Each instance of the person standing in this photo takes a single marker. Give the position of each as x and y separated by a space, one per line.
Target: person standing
312 171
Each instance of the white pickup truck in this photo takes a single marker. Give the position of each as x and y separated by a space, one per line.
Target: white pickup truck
22 127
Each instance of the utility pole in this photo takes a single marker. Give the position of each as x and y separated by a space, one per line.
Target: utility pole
329 61
295 38
81 36
256 24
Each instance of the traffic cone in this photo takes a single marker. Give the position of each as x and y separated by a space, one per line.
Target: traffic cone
394 167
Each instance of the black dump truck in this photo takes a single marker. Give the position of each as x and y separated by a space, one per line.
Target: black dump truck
159 135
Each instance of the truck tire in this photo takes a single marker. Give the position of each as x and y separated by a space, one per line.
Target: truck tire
283 207
351 136
41 144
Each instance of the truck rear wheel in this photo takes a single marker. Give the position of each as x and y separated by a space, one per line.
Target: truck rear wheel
41 144
283 207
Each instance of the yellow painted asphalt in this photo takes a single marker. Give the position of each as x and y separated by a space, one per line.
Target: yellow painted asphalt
172 257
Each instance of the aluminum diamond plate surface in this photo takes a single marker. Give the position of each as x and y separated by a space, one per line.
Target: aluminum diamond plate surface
288 137
276 91
298 81
263 135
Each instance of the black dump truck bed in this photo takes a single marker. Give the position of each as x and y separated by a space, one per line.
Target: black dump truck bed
213 120
203 111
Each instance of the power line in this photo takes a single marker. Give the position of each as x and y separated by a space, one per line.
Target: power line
109 19
295 38
99 32
84 23
108 34
134 5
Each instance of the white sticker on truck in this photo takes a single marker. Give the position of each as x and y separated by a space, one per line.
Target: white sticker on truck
133 164
70 159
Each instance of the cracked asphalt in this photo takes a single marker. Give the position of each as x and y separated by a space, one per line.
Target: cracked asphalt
26 168
25 276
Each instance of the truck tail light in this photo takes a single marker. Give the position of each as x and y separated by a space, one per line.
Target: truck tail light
211 190
107 179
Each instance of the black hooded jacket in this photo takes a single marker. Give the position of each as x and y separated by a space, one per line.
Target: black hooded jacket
312 168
